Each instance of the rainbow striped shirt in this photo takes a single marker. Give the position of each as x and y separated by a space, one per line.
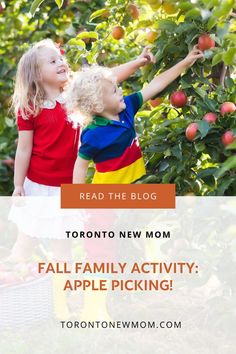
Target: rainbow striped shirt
114 147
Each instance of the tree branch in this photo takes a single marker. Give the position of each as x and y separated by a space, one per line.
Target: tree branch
222 75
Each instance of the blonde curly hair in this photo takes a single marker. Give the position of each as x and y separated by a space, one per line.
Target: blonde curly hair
84 95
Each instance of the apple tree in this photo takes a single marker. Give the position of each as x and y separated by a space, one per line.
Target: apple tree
188 132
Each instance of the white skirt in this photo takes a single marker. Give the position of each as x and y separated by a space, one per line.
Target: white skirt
39 215
34 189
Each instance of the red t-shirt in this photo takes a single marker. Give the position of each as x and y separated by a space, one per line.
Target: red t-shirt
55 146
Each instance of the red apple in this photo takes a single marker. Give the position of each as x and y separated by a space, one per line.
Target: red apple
134 11
178 99
191 131
227 107
156 101
118 32
205 42
151 36
210 117
228 138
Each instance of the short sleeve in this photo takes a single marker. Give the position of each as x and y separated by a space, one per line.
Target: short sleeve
87 149
25 124
134 102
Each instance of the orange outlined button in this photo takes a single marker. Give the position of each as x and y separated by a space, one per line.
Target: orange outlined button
118 196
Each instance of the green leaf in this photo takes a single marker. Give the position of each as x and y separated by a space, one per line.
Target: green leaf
77 42
177 152
166 123
217 58
166 178
185 6
216 39
10 122
229 57
209 180
229 164
185 84
207 172
212 22
231 37
167 152
210 104
163 166
208 54
149 179
224 9
200 92
185 27
224 185
209 3
193 13
231 146
229 83
222 30
59 3
83 35
200 146
35 5
98 13
166 25
203 128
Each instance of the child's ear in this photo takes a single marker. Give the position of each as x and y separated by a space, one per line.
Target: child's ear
98 107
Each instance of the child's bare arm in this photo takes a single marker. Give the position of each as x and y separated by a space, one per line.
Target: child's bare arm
161 81
122 72
22 159
80 170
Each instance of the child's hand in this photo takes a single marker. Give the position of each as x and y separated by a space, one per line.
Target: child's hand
146 57
192 56
19 191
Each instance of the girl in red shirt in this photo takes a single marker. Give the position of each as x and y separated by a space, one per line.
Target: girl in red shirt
46 136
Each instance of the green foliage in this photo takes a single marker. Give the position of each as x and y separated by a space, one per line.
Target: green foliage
202 167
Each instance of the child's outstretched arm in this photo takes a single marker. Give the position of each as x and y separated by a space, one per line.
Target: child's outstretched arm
161 81
22 159
80 170
122 72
